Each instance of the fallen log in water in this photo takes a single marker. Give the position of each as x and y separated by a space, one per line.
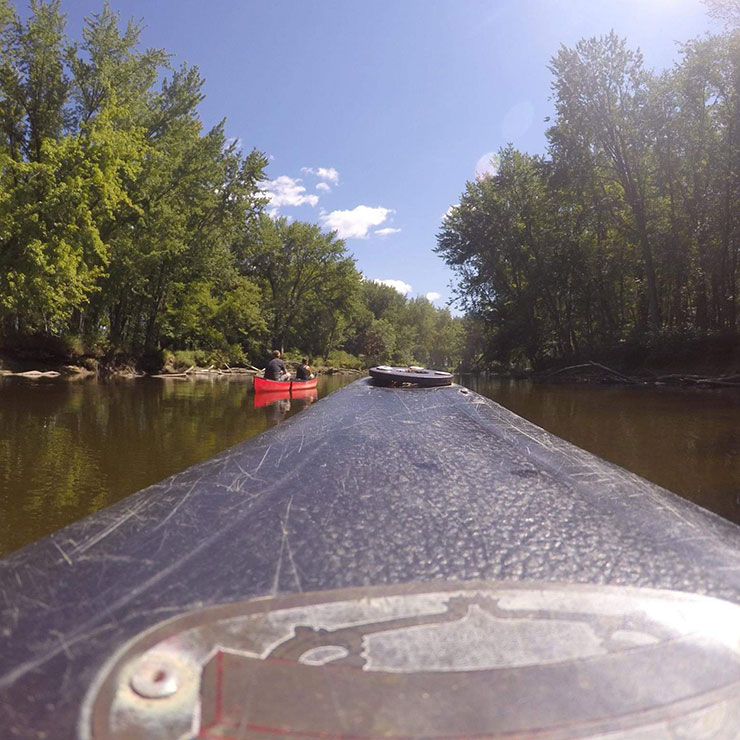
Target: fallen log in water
35 374
183 374
729 381
590 367
608 374
241 370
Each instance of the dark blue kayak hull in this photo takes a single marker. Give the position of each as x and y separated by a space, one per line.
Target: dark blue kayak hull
368 487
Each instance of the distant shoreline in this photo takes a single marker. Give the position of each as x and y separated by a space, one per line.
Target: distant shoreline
23 366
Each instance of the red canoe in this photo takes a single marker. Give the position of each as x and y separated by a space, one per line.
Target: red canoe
261 385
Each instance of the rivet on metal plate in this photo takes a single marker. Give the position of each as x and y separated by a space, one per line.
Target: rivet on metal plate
155 679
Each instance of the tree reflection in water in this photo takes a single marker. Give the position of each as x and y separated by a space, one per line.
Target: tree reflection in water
71 447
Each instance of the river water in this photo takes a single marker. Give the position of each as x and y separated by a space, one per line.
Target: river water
71 447
686 440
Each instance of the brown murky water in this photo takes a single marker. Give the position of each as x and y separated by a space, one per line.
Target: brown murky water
69 448
682 439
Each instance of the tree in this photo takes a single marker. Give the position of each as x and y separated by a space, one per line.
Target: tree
726 10
115 205
306 277
325 320
58 184
187 199
505 240
630 223
601 90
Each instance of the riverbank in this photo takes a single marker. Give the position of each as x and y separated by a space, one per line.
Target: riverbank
31 368
592 372
675 360
40 367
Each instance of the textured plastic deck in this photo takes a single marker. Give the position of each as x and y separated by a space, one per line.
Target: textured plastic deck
368 487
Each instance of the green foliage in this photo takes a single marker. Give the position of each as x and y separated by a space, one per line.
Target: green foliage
308 281
182 359
387 328
629 228
726 10
340 358
43 348
128 230
57 184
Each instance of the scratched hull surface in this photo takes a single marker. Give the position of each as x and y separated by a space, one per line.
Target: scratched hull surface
371 486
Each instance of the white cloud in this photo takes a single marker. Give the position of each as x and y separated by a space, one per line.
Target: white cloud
399 285
324 187
234 141
328 173
287 191
386 232
355 223
487 165
323 173
433 296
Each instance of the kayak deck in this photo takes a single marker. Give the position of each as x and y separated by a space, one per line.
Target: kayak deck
372 488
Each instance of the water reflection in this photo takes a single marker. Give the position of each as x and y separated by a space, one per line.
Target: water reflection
68 449
279 406
683 439
302 397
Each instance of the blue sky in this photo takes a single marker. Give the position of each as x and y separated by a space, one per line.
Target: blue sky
374 114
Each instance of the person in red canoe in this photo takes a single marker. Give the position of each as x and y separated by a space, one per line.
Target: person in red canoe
275 368
303 370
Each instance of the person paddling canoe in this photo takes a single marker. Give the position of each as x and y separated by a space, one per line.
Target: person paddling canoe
303 370
275 368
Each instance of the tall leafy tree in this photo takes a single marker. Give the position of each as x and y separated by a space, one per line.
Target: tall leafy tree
630 223
58 182
727 10
302 272
601 90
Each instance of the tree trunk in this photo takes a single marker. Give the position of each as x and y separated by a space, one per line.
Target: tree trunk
647 255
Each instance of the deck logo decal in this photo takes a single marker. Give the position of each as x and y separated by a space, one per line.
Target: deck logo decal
491 659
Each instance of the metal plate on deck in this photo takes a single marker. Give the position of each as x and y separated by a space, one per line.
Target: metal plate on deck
438 660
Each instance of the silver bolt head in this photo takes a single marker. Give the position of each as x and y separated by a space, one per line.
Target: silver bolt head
155 679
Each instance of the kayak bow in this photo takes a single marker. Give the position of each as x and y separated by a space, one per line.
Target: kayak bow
389 563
